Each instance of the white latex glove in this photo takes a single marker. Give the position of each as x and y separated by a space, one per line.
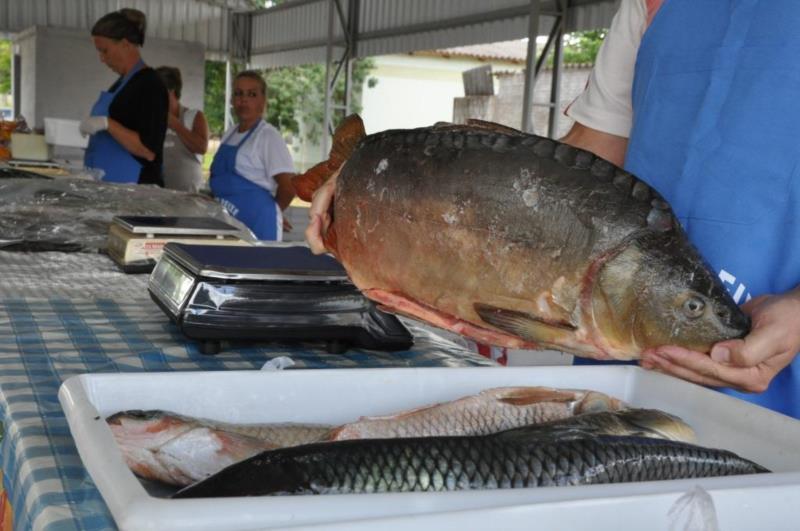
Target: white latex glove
93 124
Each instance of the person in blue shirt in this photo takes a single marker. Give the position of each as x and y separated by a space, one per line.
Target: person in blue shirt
128 122
700 100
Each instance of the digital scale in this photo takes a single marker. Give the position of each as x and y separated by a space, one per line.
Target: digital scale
274 292
135 242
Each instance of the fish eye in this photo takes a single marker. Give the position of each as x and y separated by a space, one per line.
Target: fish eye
693 307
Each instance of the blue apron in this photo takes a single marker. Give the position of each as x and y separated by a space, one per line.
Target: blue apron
716 99
242 198
104 152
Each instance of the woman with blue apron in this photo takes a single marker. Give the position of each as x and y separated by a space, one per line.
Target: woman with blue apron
715 127
127 122
252 169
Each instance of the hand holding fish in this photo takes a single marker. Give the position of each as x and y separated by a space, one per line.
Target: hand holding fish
319 212
747 364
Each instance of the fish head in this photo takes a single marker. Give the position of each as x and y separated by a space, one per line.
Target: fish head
657 290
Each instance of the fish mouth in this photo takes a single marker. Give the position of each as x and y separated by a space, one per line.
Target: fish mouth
735 322
743 326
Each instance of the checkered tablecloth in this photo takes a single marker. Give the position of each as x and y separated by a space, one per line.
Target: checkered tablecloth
56 322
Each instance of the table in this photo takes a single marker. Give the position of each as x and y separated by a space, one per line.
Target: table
63 314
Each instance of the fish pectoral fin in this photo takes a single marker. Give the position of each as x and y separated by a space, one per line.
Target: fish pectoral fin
526 325
536 395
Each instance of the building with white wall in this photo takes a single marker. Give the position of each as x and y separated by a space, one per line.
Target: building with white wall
61 76
418 89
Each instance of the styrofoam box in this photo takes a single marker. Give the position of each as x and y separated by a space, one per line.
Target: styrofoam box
61 132
761 501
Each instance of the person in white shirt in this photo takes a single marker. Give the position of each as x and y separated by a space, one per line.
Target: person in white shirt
187 137
251 174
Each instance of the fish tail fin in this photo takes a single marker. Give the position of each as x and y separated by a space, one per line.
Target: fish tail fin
345 139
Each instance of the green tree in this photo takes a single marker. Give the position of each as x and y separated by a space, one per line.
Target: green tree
5 67
581 47
298 94
214 103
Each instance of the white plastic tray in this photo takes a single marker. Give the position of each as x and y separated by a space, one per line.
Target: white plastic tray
63 132
336 396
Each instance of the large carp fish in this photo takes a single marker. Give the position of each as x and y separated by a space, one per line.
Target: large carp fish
517 240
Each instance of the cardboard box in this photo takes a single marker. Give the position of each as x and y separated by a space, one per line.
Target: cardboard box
28 146
762 501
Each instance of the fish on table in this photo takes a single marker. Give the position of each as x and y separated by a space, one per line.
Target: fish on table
517 240
594 448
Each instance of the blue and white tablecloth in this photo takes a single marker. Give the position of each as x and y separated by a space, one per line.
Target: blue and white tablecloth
62 315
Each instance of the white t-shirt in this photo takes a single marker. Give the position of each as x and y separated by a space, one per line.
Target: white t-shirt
262 157
605 104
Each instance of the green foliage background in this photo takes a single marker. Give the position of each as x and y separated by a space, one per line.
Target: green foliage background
5 67
581 47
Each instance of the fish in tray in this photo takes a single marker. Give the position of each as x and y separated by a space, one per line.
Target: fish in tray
588 449
468 416
489 411
180 450
517 240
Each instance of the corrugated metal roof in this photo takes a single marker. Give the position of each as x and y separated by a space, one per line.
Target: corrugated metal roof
203 21
297 32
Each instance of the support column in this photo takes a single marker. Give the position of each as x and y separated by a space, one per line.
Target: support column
228 122
530 71
326 140
558 64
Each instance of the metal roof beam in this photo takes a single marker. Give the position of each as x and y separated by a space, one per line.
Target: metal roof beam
398 26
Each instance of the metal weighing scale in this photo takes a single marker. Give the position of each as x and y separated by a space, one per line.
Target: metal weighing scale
135 242
271 293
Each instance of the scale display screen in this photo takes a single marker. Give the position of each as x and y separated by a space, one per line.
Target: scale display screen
172 283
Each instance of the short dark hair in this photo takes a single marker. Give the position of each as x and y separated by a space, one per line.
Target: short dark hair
252 74
128 24
171 77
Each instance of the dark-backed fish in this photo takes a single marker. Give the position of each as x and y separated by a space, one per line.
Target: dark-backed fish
532 456
518 240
